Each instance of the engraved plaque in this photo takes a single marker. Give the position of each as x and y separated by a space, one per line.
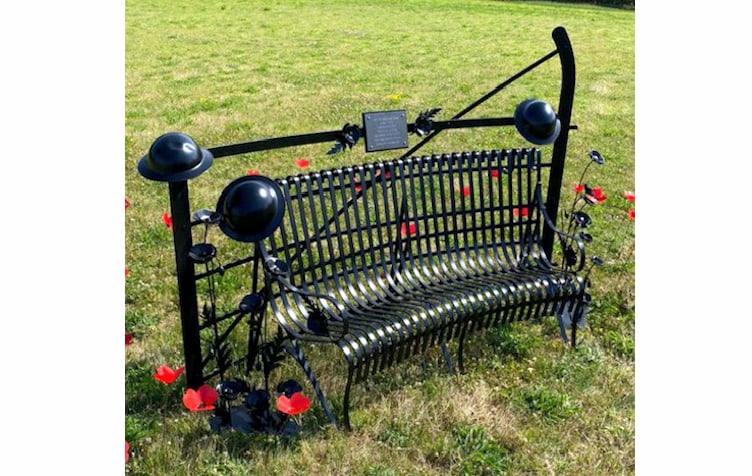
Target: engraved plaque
385 130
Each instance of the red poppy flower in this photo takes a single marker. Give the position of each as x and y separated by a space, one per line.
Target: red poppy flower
127 447
127 272
200 400
252 172
522 211
596 195
629 196
166 375
630 214
495 173
578 188
128 338
387 174
465 191
167 219
358 187
127 203
295 405
405 230
301 163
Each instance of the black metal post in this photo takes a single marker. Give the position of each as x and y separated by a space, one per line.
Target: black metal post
566 100
186 279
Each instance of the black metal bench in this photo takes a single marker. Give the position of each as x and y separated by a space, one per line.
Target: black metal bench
382 260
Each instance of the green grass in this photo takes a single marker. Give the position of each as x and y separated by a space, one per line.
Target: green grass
238 70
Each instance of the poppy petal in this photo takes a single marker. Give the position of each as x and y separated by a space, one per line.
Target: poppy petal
295 405
597 193
163 374
252 172
127 448
302 163
521 211
128 338
166 375
629 195
192 400
208 396
406 229
167 220
127 203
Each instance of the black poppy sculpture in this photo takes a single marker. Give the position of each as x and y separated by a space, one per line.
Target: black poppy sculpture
537 122
251 207
174 157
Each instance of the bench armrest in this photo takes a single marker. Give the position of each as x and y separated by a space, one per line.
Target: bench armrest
577 258
277 270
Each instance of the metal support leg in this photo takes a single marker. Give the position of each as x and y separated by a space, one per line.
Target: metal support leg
447 357
346 399
460 349
460 358
297 354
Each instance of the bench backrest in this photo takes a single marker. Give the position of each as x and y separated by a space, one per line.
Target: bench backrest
358 231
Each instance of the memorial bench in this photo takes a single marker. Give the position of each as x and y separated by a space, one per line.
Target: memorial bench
381 261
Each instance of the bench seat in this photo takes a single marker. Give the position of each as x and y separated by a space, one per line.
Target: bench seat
386 260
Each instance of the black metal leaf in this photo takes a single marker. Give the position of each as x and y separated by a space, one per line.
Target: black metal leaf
351 135
581 218
570 256
206 217
241 420
206 314
596 260
231 389
346 138
586 237
596 157
288 387
223 358
317 322
424 121
250 303
337 147
257 400
272 354
202 253
220 421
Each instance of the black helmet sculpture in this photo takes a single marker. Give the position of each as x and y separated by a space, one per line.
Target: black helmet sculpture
173 157
537 121
251 207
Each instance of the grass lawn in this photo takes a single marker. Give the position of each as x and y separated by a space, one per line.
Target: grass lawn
229 71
